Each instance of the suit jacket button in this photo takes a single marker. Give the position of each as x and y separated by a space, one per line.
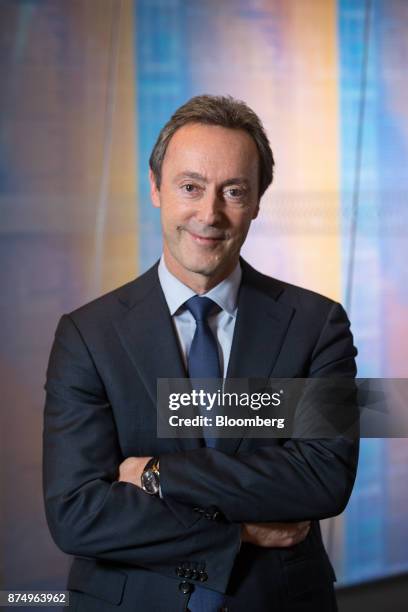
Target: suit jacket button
202 576
212 513
180 571
188 573
194 574
186 587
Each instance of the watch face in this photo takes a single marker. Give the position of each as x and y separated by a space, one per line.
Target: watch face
150 482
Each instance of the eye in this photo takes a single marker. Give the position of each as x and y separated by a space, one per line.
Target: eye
190 188
234 192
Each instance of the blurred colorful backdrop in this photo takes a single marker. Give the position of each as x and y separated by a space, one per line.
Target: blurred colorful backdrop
85 87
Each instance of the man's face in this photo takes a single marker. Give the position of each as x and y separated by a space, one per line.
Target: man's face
208 198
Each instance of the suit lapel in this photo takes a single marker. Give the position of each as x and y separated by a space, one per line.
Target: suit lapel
260 330
146 331
148 336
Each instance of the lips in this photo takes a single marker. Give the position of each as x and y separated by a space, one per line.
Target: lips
205 239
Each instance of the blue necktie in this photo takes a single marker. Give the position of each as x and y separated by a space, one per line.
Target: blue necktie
203 359
203 362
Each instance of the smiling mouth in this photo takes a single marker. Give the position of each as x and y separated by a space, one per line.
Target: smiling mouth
205 240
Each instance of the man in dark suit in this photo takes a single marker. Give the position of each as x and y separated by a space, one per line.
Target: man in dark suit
159 524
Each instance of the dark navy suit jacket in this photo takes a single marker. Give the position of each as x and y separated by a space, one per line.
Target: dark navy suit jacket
133 551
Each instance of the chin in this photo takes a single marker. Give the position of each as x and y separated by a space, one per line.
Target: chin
202 268
199 264
204 263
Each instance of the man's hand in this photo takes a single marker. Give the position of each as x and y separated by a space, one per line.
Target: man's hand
268 535
131 469
271 535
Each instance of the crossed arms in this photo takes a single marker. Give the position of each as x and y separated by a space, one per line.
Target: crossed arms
267 535
92 513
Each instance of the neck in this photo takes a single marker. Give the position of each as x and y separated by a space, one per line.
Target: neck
199 283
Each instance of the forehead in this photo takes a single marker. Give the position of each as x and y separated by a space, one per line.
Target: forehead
211 149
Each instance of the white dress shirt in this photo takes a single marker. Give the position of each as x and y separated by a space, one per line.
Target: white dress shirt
221 322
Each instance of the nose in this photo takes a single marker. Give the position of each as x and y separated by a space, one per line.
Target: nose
209 211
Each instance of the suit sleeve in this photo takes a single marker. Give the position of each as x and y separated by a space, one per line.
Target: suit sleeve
89 513
302 479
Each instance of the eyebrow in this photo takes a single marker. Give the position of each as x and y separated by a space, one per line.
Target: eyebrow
193 175
237 180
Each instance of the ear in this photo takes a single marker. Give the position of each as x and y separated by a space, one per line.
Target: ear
154 191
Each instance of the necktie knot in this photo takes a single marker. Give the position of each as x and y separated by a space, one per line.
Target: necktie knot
200 307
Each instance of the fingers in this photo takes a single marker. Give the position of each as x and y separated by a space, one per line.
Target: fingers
130 470
303 524
295 534
275 535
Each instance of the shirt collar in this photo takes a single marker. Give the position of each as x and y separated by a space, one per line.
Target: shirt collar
225 294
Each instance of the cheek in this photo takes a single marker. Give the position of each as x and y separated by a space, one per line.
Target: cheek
169 214
172 217
240 225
